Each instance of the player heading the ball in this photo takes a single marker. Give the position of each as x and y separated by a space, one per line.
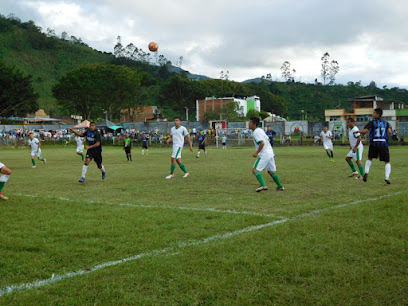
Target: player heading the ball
177 135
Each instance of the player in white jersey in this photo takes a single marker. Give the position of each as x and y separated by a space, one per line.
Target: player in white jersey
3 179
265 156
80 146
356 149
326 137
177 135
35 148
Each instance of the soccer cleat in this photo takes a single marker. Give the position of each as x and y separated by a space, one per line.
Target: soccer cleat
82 179
388 181
332 160
45 161
34 167
3 197
359 178
280 189
186 174
353 174
260 188
365 177
170 176
197 156
103 175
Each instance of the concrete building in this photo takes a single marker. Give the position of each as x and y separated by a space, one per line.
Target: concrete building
141 114
362 109
214 104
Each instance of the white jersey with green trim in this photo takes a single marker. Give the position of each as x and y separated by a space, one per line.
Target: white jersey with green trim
326 141
353 138
259 136
34 144
178 135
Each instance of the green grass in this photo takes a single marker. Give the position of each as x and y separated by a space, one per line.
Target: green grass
349 255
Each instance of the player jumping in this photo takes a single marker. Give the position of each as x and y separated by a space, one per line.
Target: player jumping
127 146
177 135
35 146
3 180
326 137
380 132
265 156
94 149
356 149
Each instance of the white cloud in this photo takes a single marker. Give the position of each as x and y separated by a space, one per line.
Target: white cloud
369 39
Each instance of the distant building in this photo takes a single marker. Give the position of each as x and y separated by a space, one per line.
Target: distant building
213 104
362 109
141 113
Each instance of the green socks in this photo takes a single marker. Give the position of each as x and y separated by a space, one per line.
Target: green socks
328 154
172 168
260 179
82 155
183 168
33 161
361 169
276 179
2 186
352 166
331 154
42 159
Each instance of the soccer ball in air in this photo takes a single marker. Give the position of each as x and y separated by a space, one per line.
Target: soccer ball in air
153 46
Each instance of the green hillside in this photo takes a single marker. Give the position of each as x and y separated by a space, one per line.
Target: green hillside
45 58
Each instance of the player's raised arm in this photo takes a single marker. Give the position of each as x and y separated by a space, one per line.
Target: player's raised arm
77 133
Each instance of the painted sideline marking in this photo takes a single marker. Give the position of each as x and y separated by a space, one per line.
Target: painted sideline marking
206 209
59 277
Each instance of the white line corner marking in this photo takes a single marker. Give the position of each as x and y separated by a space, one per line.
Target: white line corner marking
59 277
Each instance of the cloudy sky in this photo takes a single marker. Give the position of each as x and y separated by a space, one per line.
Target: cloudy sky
369 38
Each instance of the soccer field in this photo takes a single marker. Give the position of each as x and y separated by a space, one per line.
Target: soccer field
210 238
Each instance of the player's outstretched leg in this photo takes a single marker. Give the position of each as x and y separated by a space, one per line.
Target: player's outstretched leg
361 169
276 179
387 173
33 161
103 171
198 154
3 180
331 156
261 181
367 169
182 167
84 170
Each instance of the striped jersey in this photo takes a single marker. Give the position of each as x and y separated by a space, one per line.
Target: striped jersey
378 132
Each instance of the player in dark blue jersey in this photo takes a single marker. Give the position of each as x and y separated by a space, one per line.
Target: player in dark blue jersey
201 143
271 135
145 141
380 132
94 147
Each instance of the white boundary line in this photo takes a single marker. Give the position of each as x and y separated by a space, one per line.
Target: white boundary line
205 209
59 277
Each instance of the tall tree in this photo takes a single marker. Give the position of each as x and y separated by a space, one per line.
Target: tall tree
325 67
288 74
91 88
17 96
334 69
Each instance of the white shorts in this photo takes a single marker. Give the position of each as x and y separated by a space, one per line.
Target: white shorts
328 146
1 165
35 153
265 162
80 149
176 152
358 155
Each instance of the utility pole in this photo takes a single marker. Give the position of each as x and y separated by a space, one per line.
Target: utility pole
186 113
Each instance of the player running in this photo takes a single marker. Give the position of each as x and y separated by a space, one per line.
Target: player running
177 135
35 146
201 144
145 140
265 156
127 146
94 149
3 180
326 138
380 132
356 149
80 146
